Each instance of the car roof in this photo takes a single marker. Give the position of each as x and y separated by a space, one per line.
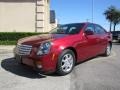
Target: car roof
80 23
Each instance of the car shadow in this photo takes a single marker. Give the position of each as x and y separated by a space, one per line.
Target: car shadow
13 66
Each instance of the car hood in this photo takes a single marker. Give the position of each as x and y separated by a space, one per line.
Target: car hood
37 39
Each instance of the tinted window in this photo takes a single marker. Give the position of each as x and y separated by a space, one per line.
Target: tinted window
90 27
99 30
68 29
52 16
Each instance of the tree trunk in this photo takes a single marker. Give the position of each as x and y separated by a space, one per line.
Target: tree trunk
114 27
110 26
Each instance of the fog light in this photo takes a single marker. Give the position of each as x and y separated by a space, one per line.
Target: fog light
39 66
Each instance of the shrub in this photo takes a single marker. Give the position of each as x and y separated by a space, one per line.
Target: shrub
10 38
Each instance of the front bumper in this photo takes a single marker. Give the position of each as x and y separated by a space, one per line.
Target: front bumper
29 57
27 62
45 63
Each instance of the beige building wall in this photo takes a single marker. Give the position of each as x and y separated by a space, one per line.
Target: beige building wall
17 17
21 16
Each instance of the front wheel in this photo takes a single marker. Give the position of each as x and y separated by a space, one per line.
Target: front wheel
66 62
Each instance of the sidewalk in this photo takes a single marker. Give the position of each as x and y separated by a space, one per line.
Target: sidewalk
7 47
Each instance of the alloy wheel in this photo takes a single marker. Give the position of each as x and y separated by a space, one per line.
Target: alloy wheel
67 62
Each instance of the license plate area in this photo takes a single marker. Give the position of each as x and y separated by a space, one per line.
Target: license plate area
28 62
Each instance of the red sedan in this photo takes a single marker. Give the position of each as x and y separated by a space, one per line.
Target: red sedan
63 47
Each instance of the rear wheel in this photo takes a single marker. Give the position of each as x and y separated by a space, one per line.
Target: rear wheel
108 50
66 62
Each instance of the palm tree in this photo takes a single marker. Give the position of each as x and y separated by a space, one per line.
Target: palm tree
113 16
109 13
116 18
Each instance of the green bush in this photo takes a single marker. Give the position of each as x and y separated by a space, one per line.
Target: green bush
10 38
8 42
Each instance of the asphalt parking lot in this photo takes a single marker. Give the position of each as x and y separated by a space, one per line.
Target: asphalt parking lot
100 73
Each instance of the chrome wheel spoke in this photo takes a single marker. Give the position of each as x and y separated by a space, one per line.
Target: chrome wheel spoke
67 62
66 68
63 66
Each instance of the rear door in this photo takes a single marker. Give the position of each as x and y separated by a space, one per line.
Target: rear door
102 35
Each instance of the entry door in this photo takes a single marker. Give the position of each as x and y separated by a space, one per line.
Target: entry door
88 47
101 34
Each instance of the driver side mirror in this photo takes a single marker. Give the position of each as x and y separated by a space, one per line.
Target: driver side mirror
89 32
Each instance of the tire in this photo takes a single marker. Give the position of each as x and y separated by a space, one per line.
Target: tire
66 62
108 50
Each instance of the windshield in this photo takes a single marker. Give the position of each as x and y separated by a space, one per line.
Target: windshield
68 29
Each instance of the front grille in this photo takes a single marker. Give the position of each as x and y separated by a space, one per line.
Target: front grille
23 49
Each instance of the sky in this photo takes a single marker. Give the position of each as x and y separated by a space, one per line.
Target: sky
72 11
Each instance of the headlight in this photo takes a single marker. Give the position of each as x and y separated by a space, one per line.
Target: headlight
44 48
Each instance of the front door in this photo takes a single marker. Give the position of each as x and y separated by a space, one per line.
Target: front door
88 46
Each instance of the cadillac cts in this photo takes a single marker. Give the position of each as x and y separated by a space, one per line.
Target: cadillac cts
63 47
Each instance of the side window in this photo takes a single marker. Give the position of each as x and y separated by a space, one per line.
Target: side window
99 30
72 30
90 27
